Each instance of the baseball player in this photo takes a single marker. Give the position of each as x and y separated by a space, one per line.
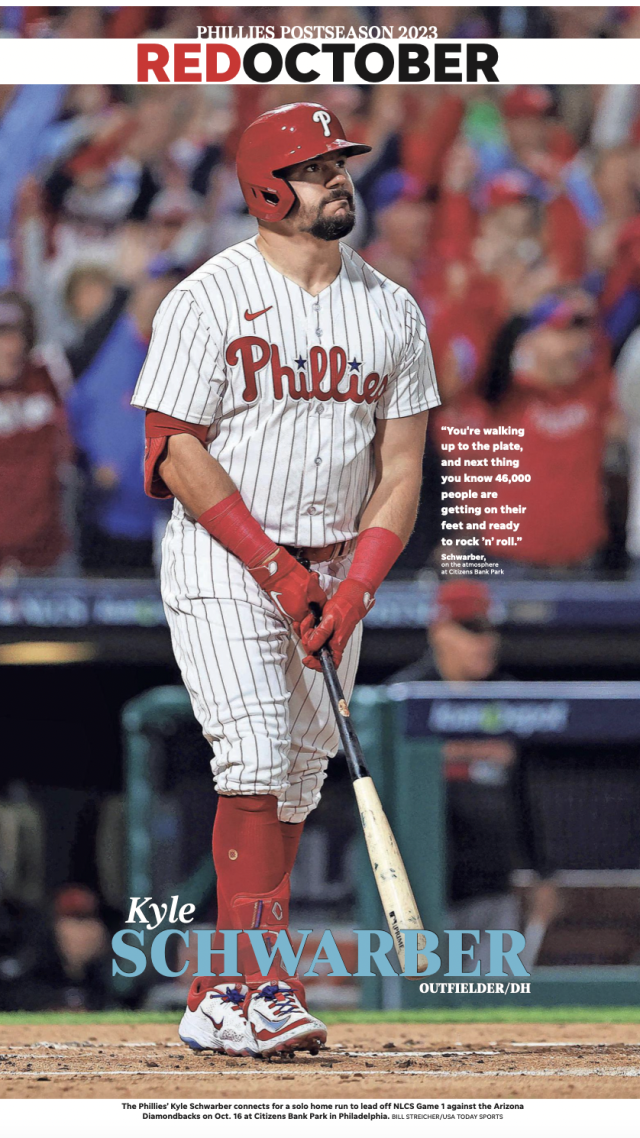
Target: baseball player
287 388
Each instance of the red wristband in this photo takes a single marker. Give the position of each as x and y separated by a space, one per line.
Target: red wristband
376 551
230 523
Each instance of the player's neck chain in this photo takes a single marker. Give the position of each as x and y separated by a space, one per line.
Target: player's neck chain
319 378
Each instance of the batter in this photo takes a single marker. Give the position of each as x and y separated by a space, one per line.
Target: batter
287 388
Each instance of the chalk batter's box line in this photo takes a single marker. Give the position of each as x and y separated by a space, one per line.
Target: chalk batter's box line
546 1072
335 1052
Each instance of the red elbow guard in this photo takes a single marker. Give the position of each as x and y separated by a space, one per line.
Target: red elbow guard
157 429
154 450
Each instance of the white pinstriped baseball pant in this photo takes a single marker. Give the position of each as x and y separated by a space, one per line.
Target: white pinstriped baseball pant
267 717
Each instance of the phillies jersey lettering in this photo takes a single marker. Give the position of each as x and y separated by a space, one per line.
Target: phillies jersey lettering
330 367
290 385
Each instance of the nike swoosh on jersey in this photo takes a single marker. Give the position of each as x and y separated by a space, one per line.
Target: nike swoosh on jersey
254 315
274 597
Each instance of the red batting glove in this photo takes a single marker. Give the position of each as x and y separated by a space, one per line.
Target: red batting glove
289 584
351 601
376 550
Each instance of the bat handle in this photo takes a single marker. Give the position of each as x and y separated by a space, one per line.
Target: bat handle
350 742
323 653
315 611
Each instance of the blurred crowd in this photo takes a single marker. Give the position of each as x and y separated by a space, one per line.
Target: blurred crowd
512 215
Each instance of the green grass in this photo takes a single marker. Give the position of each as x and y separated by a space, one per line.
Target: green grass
441 1015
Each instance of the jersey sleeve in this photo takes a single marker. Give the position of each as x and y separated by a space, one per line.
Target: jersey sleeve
412 387
182 375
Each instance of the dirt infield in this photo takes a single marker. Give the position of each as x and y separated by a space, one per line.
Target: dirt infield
147 1061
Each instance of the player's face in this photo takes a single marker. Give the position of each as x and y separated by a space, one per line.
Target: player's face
462 654
324 191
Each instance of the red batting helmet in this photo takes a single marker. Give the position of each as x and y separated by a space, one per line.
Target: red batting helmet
294 133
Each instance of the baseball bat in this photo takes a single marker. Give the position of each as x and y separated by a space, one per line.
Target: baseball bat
396 895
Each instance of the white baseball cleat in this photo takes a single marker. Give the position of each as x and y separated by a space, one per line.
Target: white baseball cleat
219 1023
280 1022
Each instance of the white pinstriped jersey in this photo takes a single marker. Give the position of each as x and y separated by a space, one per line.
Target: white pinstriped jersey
290 385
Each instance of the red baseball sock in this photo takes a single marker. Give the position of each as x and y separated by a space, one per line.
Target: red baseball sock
250 818
291 834
248 853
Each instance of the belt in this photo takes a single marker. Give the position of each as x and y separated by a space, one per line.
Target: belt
313 554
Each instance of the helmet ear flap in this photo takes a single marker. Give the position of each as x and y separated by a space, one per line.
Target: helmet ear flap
260 196
287 199
269 204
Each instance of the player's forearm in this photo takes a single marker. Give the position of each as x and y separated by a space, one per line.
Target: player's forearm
394 502
193 476
398 450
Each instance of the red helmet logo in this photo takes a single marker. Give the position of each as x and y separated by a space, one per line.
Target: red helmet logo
325 118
